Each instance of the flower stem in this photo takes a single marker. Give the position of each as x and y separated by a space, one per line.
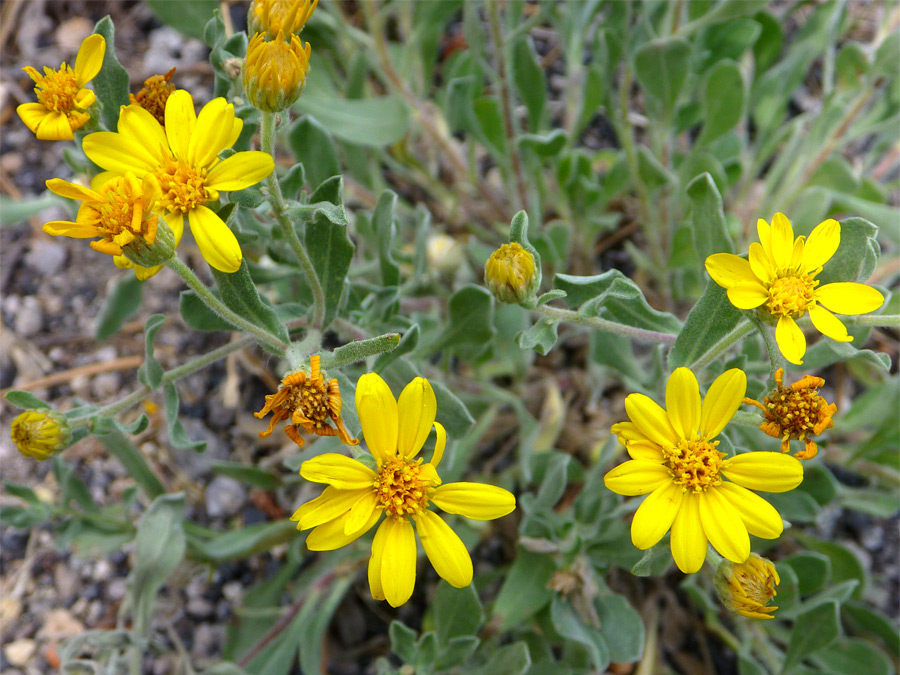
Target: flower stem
876 320
220 308
742 329
276 199
776 361
637 334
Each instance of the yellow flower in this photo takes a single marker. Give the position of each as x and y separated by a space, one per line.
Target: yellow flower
122 213
677 464
183 157
748 587
62 98
401 487
275 71
780 279
279 16
796 413
510 273
309 402
153 95
40 434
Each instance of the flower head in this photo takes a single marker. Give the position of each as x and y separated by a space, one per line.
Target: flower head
123 214
274 71
747 588
40 434
279 16
402 488
780 279
678 465
153 95
183 157
510 273
796 413
309 402
62 98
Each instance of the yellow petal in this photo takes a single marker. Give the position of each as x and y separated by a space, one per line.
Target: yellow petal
440 443
655 515
398 561
416 408
761 518
782 240
765 471
331 504
628 431
175 221
797 253
445 550
144 130
377 410
54 126
637 477
216 242
764 232
102 178
828 324
89 59
683 402
474 500
650 419
338 471
760 264
83 99
644 450
688 540
849 297
822 244
361 512
144 273
241 170
330 536
212 132
181 122
748 296
723 526
728 270
375 560
71 190
118 153
723 398
32 114
66 228
790 339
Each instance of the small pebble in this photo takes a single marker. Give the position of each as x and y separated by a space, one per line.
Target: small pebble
30 318
224 497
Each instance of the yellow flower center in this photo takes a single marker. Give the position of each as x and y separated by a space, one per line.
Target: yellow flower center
400 487
183 186
798 410
56 89
123 212
694 464
153 96
311 399
792 295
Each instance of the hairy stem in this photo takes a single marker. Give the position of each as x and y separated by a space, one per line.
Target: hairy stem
741 330
637 334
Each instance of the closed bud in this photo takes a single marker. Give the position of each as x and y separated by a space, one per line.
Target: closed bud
510 274
274 16
275 72
747 588
40 434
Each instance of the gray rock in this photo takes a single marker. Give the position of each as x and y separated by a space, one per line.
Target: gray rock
29 318
46 257
224 497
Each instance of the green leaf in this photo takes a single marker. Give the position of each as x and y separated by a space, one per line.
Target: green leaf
569 625
652 172
622 627
198 316
512 659
385 229
150 373
239 294
545 146
863 620
225 668
312 145
407 343
131 458
457 612
188 17
540 337
850 656
15 211
813 570
159 548
470 320
249 540
251 475
403 640
661 67
845 264
723 100
826 620
25 400
529 79
119 306
371 122
710 323
111 84
524 591
331 251
177 435
708 218
316 617
845 566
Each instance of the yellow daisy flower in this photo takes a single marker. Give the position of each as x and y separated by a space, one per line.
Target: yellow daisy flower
184 158
401 487
40 434
62 98
780 276
677 464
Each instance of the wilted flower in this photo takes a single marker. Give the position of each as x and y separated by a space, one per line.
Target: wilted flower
40 434
747 588
62 99
402 488
510 273
780 279
309 402
796 413
154 94
274 71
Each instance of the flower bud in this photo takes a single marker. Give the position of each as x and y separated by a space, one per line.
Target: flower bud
275 72
746 588
148 252
510 273
40 434
274 16
444 253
